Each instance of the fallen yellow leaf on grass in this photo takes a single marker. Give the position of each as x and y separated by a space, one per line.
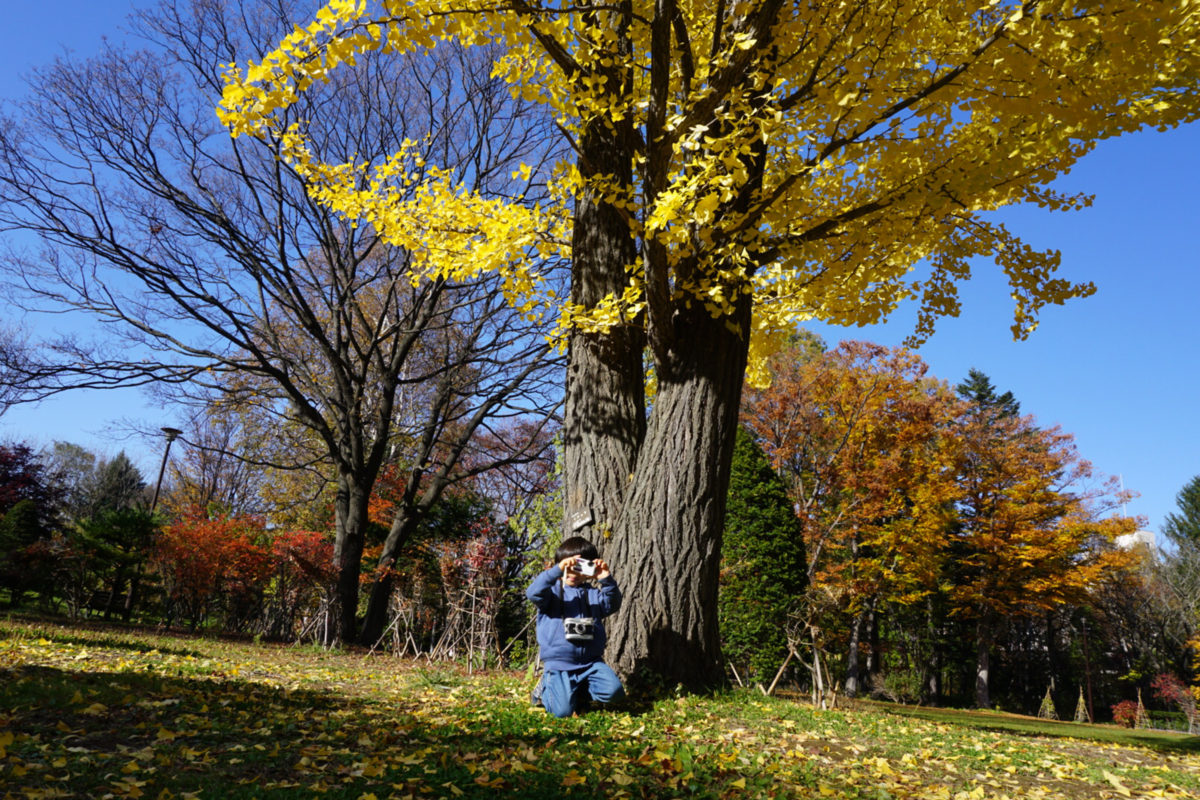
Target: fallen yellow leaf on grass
129 787
573 778
1116 782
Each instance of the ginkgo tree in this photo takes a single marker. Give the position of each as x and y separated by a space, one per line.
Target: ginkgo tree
739 166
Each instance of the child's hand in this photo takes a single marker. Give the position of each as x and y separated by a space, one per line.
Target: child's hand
602 570
568 562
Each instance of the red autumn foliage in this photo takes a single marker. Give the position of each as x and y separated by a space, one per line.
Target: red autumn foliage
476 564
204 560
304 556
1125 713
303 575
1171 689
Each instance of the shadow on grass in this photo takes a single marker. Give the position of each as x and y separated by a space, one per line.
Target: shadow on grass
1161 741
87 734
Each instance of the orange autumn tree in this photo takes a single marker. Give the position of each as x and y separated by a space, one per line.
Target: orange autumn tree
863 437
1032 531
914 502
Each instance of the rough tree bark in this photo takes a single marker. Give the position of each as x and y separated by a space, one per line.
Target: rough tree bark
604 415
667 542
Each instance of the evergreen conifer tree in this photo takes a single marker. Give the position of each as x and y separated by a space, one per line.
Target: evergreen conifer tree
116 484
979 390
1184 527
763 563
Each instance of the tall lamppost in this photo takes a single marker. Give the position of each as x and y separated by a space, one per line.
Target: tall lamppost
171 434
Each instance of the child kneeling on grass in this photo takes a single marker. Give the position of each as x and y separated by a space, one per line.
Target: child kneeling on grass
570 631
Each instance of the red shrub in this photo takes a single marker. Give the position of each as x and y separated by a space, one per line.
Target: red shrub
306 556
303 574
1125 713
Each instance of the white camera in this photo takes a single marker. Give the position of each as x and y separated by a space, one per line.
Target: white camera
585 567
579 629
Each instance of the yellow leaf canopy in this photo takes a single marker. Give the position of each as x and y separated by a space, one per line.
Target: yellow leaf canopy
810 155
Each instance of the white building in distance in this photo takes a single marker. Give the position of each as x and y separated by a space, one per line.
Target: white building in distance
1131 541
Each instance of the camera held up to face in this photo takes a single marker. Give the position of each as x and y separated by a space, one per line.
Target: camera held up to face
585 567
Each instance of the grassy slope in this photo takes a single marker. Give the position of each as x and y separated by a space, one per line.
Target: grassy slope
95 713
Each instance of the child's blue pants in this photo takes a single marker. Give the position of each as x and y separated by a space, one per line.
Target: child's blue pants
564 691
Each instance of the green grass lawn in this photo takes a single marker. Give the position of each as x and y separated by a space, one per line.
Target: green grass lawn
95 713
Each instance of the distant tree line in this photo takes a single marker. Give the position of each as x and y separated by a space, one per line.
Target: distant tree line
78 537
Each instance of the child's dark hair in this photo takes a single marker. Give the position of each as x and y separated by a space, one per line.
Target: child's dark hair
575 546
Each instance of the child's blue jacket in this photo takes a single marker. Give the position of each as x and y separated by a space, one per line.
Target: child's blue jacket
556 601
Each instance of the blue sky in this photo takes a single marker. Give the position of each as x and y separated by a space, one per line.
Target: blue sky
1118 370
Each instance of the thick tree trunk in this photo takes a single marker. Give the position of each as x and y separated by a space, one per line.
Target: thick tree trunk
605 413
375 620
655 489
667 547
351 520
603 429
